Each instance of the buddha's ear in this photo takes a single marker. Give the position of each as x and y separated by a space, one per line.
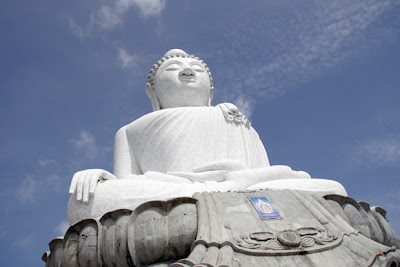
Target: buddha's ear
153 97
211 96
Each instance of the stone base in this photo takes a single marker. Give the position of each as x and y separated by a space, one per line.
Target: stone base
233 229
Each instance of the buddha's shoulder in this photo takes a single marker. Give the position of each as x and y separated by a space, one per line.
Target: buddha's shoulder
164 114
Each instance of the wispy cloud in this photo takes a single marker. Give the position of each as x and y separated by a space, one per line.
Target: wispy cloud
148 7
23 242
333 35
62 228
245 105
89 153
86 143
26 190
46 162
31 186
372 152
3 231
109 16
299 45
126 59
48 179
82 31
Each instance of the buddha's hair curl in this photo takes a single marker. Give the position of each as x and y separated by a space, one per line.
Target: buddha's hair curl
153 70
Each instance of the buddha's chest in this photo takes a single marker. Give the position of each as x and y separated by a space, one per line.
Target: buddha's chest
180 141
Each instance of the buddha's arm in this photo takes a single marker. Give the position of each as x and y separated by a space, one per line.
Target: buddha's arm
124 162
84 182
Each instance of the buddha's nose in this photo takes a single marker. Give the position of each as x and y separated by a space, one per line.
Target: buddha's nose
187 72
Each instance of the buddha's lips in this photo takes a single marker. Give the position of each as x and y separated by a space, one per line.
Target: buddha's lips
183 78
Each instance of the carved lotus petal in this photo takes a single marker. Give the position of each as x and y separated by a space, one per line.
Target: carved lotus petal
326 239
307 242
318 241
307 231
250 241
262 236
271 244
247 245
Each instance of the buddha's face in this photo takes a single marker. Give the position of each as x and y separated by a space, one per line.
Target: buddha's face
182 82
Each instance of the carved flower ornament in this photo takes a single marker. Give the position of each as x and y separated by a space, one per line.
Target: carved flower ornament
287 239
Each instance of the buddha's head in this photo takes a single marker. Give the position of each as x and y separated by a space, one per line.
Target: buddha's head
179 80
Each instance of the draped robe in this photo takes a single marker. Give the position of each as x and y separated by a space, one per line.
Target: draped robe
179 139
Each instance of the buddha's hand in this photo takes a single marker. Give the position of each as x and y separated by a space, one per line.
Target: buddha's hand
213 171
84 183
233 114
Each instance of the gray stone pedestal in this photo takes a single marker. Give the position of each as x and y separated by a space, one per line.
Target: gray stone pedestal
227 229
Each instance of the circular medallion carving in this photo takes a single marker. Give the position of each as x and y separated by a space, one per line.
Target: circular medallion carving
289 238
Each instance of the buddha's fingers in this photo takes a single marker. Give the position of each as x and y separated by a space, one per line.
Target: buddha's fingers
73 183
92 184
79 187
86 187
232 107
108 176
223 108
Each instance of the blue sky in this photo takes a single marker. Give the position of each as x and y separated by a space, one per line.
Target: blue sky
320 81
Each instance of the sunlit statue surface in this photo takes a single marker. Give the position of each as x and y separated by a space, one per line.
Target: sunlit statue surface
184 146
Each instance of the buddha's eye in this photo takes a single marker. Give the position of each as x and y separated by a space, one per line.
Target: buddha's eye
173 67
197 68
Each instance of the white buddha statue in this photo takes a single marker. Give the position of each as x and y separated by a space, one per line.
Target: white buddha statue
184 146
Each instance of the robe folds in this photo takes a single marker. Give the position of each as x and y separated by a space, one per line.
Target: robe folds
180 139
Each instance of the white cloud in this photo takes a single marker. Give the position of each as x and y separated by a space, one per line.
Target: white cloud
31 187
149 7
245 104
86 143
26 191
62 228
23 242
81 31
377 151
77 30
110 16
300 44
127 60
89 153
3 231
46 162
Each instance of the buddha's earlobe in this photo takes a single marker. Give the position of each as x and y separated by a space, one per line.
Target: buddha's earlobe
211 96
153 97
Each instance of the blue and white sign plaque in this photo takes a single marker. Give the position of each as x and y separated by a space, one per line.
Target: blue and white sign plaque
265 208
